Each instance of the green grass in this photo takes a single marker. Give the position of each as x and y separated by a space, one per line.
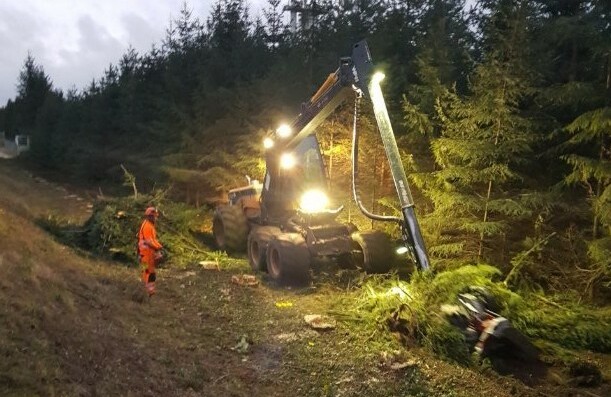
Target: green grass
383 302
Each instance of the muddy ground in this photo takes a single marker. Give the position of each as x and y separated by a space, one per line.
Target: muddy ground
74 325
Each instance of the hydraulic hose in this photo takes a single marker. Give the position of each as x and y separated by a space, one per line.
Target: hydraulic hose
355 171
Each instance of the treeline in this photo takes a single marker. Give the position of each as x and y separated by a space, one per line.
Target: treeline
502 110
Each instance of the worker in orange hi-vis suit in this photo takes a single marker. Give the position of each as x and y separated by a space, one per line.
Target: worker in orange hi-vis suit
149 249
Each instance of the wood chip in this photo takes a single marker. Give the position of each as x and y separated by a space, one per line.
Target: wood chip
245 280
209 265
406 364
320 322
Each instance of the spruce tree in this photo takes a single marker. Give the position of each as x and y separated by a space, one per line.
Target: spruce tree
32 88
590 154
574 59
483 139
591 168
443 62
48 141
274 26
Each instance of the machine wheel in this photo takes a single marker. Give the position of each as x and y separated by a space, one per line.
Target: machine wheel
288 259
377 250
258 240
230 228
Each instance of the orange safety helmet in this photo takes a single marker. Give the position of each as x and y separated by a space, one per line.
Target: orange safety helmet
151 211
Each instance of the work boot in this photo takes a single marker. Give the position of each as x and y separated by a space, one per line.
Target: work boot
139 294
150 288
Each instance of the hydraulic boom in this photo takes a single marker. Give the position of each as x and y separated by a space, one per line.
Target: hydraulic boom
285 223
355 77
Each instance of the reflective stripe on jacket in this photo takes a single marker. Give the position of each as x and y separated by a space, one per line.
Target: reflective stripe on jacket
147 238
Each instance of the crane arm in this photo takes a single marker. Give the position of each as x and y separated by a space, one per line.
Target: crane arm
354 76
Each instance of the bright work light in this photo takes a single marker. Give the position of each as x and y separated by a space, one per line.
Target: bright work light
287 161
313 201
402 250
377 99
268 143
377 77
284 131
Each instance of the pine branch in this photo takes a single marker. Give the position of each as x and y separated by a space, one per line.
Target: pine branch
130 180
518 261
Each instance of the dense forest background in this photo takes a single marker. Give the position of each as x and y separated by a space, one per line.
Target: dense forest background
502 111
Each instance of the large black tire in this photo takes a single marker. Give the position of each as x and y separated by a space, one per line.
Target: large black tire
258 240
230 228
378 253
288 259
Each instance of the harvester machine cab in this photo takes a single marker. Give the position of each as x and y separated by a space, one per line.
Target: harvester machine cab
294 181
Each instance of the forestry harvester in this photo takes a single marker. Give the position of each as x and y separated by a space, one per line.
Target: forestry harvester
285 224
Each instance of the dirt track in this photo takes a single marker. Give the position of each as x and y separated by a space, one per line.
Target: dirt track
76 325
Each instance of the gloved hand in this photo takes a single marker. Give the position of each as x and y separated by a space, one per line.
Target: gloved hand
159 257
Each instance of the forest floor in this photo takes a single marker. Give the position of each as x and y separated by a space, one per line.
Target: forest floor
6 154
73 324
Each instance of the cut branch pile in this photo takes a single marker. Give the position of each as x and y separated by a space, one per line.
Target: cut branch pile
112 228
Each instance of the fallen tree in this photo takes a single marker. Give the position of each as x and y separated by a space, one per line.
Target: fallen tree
413 310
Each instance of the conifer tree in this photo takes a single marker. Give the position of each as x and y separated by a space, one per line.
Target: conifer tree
274 25
443 62
445 42
483 139
592 169
571 41
590 154
47 142
8 118
32 88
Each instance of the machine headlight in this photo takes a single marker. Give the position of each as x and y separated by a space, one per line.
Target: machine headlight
284 131
402 250
268 143
287 161
313 201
